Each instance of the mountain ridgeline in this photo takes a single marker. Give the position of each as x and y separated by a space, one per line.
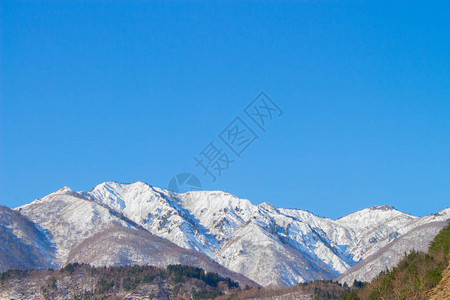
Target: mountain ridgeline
255 245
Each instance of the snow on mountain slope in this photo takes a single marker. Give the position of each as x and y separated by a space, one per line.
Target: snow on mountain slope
208 220
139 247
204 220
374 228
390 255
339 244
305 233
66 218
220 212
371 218
83 230
443 215
22 245
264 234
253 251
298 245
157 211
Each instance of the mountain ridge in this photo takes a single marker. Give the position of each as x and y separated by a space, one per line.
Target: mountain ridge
211 222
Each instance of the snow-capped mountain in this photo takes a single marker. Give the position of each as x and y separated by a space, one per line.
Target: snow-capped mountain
415 235
270 245
374 227
85 231
390 255
67 218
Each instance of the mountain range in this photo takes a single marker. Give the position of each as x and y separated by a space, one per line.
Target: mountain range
128 224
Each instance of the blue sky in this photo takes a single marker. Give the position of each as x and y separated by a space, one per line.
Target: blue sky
128 91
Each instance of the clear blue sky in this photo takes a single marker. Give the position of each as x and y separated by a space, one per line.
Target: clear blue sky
97 91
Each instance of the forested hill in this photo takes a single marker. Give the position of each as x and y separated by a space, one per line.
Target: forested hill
80 281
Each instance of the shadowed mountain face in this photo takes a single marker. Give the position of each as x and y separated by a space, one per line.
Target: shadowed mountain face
111 225
22 245
120 246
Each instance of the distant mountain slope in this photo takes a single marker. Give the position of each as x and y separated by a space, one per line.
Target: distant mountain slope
390 255
418 275
270 245
67 218
126 246
22 245
374 228
260 255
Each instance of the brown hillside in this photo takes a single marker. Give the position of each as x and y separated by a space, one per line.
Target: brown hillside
442 290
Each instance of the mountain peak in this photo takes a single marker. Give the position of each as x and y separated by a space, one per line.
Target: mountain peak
116 185
65 190
107 184
382 207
